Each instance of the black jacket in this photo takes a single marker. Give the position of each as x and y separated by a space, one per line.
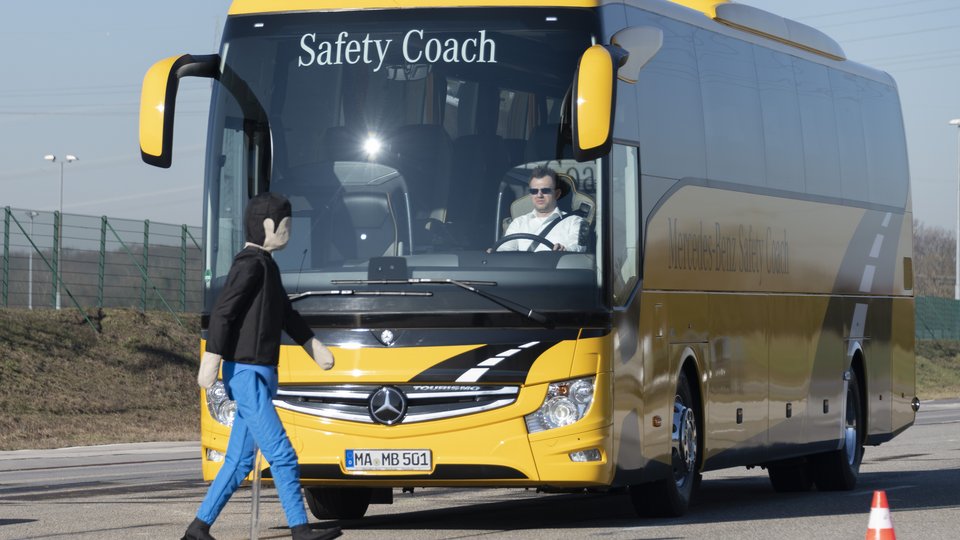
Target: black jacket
252 310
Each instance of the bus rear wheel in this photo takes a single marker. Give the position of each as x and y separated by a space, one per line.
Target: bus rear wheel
337 502
839 470
670 497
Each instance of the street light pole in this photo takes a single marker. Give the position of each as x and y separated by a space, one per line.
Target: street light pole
69 158
956 278
32 215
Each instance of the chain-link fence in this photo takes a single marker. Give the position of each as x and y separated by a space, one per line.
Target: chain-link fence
937 318
100 261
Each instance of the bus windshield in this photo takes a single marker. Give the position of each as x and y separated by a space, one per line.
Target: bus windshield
405 140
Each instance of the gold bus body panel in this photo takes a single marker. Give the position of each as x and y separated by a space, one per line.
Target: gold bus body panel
770 297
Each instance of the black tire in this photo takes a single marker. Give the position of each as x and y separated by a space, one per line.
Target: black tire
337 502
670 497
839 470
790 477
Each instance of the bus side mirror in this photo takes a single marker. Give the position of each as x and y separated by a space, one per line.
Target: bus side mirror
594 93
594 86
158 100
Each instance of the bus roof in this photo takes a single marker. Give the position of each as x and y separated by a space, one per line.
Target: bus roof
246 7
740 16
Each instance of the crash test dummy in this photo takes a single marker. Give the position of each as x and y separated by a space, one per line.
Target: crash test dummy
245 332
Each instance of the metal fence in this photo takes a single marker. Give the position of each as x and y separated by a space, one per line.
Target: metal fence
937 318
100 261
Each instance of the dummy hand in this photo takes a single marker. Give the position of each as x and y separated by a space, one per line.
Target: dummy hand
320 353
209 367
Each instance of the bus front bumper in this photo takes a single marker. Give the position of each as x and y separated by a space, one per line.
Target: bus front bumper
498 454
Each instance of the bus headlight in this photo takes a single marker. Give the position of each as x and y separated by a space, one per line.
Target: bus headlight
566 402
221 407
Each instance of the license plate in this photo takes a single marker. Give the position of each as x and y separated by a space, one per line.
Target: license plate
389 460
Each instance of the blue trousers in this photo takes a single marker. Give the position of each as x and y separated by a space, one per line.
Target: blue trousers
256 421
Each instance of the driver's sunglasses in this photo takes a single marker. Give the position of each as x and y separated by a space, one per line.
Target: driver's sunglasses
545 191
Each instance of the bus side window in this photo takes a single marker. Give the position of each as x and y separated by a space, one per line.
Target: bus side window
625 233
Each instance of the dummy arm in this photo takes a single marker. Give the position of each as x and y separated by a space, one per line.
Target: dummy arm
209 367
320 353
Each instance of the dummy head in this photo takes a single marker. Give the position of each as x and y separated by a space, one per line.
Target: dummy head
267 221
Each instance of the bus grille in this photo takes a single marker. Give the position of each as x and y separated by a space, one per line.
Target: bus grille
420 402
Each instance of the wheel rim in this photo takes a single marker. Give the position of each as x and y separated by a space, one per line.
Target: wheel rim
850 437
684 442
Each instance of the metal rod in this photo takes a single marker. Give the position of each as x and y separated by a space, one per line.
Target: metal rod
59 238
146 267
102 260
255 495
6 253
57 216
32 215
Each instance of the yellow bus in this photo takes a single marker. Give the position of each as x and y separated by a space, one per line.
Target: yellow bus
744 296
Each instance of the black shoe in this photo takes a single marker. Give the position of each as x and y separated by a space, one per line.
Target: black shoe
304 532
199 530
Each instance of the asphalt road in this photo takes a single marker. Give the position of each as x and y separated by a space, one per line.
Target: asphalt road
152 491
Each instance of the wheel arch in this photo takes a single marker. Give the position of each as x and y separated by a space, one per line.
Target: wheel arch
858 370
689 364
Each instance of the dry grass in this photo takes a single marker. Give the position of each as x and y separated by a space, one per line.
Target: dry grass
62 384
938 369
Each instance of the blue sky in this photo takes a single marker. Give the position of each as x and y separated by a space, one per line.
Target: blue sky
72 73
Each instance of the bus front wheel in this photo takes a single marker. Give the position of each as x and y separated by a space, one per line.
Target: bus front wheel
337 502
670 497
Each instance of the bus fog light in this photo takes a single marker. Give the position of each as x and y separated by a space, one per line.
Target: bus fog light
565 403
216 456
220 406
583 456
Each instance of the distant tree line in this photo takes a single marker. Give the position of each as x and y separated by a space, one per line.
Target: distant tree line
934 250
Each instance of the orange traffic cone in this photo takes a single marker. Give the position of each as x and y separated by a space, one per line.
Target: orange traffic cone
880 526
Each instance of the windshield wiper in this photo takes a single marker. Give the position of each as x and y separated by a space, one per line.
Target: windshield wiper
465 285
350 292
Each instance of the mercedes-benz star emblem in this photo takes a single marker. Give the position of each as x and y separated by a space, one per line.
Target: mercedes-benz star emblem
387 337
388 405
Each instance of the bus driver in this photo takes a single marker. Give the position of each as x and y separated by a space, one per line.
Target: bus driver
562 230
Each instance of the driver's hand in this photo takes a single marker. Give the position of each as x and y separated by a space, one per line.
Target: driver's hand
559 247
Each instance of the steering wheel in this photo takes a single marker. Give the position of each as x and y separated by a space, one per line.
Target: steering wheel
523 236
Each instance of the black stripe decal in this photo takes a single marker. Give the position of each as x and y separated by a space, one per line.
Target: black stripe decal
487 364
